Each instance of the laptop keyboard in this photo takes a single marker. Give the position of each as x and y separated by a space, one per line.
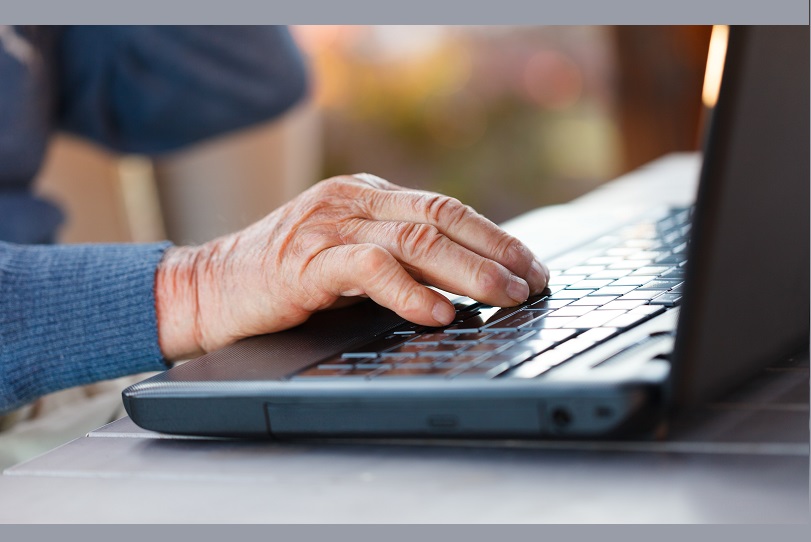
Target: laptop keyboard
611 284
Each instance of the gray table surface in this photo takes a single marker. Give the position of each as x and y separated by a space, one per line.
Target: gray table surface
744 458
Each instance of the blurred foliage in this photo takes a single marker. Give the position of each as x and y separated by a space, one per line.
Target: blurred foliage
504 118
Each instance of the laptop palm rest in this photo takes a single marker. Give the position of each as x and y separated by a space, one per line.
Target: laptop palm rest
271 357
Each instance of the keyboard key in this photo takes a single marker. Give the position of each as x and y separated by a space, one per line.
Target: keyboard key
575 346
412 349
665 224
590 284
362 366
620 251
488 348
464 302
635 316
598 334
514 355
669 259
373 348
551 322
613 290
470 326
573 311
640 294
495 313
674 273
540 364
397 354
552 335
631 281
639 243
603 260
548 304
611 274
624 305
594 301
464 338
644 256
515 321
460 360
630 264
465 315
640 230
340 361
667 299
535 298
583 269
672 237
595 318
486 369
336 366
408 329
570 294
538 346
429 338
422 349
565 280
654 270
509 336
418 361
660 284
407 371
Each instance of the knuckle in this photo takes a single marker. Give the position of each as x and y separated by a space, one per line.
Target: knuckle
340 185
338 180
372 261
489 279
315 299
327 185
417 240
410 302
444 209
372 180
315 284
512 251
349 229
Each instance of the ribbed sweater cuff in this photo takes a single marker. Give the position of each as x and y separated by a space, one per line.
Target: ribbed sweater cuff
75 314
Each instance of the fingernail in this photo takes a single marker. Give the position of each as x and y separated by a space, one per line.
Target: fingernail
443 313
538 276
518 289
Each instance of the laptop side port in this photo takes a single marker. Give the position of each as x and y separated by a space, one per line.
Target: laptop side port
561 418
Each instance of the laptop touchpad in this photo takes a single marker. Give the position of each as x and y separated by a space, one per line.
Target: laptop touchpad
274 356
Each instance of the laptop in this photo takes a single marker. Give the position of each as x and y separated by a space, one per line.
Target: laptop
661 314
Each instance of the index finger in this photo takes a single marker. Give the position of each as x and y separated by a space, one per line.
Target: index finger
459 222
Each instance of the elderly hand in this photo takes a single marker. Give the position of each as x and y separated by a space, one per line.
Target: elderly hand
344 237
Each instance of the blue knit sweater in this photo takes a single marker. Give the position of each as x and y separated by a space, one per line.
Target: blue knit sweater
71 315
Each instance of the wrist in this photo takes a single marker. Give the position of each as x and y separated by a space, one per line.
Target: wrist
177 303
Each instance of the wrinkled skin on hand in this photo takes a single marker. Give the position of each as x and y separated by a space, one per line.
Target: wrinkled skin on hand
345 237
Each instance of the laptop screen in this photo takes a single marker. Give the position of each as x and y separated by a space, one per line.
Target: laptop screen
747 292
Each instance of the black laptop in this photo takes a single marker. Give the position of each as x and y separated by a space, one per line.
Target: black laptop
661 314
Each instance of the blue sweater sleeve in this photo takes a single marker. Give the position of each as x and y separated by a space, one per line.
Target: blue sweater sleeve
75 314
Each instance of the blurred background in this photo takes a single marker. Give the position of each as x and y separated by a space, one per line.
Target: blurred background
504 118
